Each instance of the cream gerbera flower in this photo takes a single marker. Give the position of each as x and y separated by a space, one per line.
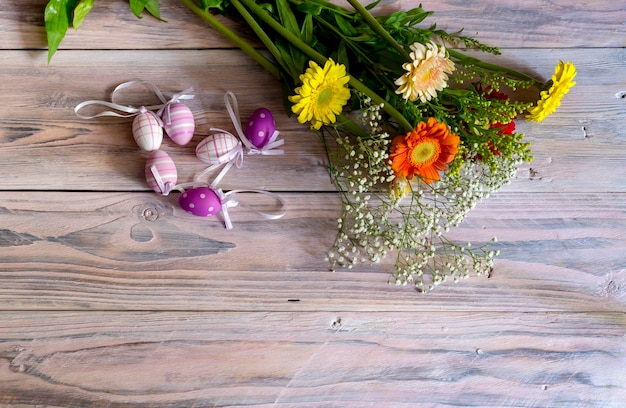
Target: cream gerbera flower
322 95
427 73
562 81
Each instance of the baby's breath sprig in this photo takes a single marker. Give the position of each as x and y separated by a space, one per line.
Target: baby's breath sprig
410 219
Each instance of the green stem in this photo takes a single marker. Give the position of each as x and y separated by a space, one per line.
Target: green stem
265 39
370 64
321 59
466 60
378 28
238 41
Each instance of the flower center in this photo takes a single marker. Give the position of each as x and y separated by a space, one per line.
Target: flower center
428 71
425 153
324 96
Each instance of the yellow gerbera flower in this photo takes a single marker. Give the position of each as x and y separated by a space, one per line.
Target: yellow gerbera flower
427 73
322 95
562 81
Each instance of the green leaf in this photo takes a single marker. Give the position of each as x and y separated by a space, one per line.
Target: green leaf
315 7
309 8
307 29
57 17
417 15
344 25
137 7
372 5
80 12
342 55
216 4
287 18
285 49
396 19
152 6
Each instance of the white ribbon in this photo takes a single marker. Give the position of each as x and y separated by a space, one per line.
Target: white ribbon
128 110
165 188
163 110
228 200
230 100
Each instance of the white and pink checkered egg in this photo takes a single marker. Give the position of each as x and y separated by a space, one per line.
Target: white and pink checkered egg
147 131
181 123
200 201
217 148
164 166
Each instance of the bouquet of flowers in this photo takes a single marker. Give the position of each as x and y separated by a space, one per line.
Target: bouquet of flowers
417 132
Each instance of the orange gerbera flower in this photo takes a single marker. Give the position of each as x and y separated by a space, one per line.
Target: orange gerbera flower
424 151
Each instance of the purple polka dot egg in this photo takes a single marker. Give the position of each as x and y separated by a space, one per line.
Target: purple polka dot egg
162 164
200 201
218 148
147 131
260 127
178 123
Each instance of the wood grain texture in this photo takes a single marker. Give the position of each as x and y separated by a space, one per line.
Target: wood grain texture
313 359
112 296
141 252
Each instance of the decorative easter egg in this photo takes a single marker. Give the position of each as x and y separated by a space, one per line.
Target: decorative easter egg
200 201
260 127
161 163
178 123
218 148
147 131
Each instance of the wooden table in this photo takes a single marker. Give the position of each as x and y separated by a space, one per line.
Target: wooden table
111 295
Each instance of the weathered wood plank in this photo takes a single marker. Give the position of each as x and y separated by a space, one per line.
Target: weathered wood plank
45 146
502 23
338 359
131 251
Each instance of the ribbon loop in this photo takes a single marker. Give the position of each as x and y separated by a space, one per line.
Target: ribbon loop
163 110
228 200
129 110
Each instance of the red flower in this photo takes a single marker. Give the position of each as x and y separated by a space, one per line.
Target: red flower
504 128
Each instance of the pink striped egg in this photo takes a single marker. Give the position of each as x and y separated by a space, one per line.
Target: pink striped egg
260 127
217 148
164 166
178 123
147 131
201 201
